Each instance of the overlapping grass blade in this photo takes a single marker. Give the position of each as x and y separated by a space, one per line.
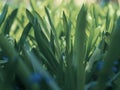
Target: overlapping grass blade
46 49
3 15
57 46
69 80
9 22
67 29
43 25
43 42
43 60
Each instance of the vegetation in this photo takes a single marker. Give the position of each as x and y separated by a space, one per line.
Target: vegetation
59 48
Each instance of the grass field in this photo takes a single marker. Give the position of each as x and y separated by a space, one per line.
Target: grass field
59 46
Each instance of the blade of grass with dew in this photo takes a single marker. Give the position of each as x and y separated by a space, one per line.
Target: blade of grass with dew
24 36
112 55
9 22
80 48
4 13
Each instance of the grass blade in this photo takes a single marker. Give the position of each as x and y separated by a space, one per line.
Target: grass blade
80 48
24 36
3 15
67 28
9 22
43 25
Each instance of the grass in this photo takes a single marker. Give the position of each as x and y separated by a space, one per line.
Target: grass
72 51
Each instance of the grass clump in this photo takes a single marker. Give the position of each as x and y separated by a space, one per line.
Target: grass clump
40 52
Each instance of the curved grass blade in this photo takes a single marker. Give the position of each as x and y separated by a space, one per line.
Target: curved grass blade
9 22
3 15
24 36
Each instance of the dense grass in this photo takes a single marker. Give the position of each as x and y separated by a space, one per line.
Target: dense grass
60 49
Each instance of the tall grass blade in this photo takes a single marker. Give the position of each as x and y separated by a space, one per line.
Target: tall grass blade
80 48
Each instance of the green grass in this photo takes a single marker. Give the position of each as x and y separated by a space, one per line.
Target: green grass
71 50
